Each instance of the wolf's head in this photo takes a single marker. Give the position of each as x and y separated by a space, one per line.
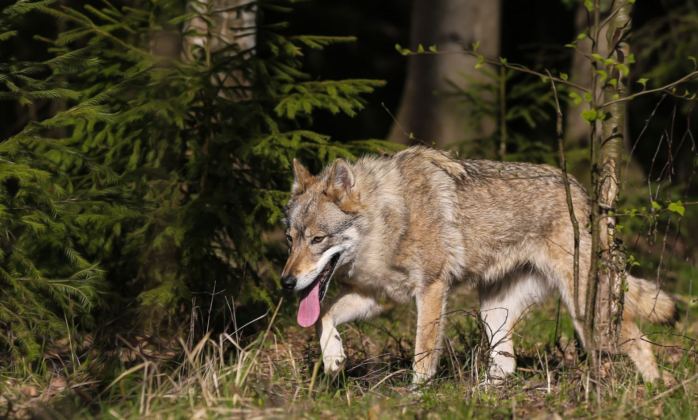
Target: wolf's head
321 233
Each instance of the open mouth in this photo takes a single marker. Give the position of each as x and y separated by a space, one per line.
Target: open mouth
311 296
326 275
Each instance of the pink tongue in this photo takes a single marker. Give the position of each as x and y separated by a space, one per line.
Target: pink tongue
309 309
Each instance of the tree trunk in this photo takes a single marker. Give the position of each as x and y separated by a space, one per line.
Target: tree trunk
576 128
451 25
612 270
228 19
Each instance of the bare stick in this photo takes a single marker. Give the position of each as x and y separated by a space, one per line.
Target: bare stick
568 193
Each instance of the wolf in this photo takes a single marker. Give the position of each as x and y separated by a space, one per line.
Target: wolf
413 225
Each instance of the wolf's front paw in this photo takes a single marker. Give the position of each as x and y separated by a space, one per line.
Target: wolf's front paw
333 356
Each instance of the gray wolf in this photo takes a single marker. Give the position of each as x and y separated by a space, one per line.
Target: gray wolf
415 224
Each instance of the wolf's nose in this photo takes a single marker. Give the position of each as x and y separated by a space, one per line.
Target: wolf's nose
288 282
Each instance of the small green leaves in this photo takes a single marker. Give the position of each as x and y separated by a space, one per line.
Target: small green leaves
582 36
632 263
432 48
695 64
411 135
631 59
590 115
643 82
588 97
613 82
420 49
476 46
623 68
564 76
589 5
677 207
577 99
480 61
403 51
631 1
502 60
602 75
656 206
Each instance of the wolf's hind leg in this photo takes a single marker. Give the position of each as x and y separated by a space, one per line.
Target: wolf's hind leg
431 302
501 305
349 305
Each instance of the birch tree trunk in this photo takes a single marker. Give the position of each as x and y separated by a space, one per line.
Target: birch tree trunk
612 270
450 25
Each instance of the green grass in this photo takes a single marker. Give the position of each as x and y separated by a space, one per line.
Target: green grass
276 375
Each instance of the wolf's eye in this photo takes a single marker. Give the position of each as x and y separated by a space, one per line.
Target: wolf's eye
318 239
289 238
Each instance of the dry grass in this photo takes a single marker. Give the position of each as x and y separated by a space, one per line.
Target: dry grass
275 374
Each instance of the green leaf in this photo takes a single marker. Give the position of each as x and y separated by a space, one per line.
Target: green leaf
577 98
432 48
589 5
476 46
589 115
695 64
603 75
616 96
502 60
643 81
623 68
677 207
420 49
631 59
582 35
564 76
656 206
613 82
480 61
588 97
403 51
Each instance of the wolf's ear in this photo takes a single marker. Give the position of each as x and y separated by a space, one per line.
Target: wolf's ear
302 178
341 180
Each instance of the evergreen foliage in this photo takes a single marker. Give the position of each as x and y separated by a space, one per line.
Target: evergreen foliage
176 166
46 283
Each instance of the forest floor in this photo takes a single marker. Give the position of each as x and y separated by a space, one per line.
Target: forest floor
276 375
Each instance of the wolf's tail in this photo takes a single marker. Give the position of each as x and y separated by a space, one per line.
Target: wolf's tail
645 300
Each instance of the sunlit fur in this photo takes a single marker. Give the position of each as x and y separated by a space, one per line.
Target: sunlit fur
412 225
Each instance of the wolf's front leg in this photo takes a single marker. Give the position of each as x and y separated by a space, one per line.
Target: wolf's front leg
350 305
431 303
